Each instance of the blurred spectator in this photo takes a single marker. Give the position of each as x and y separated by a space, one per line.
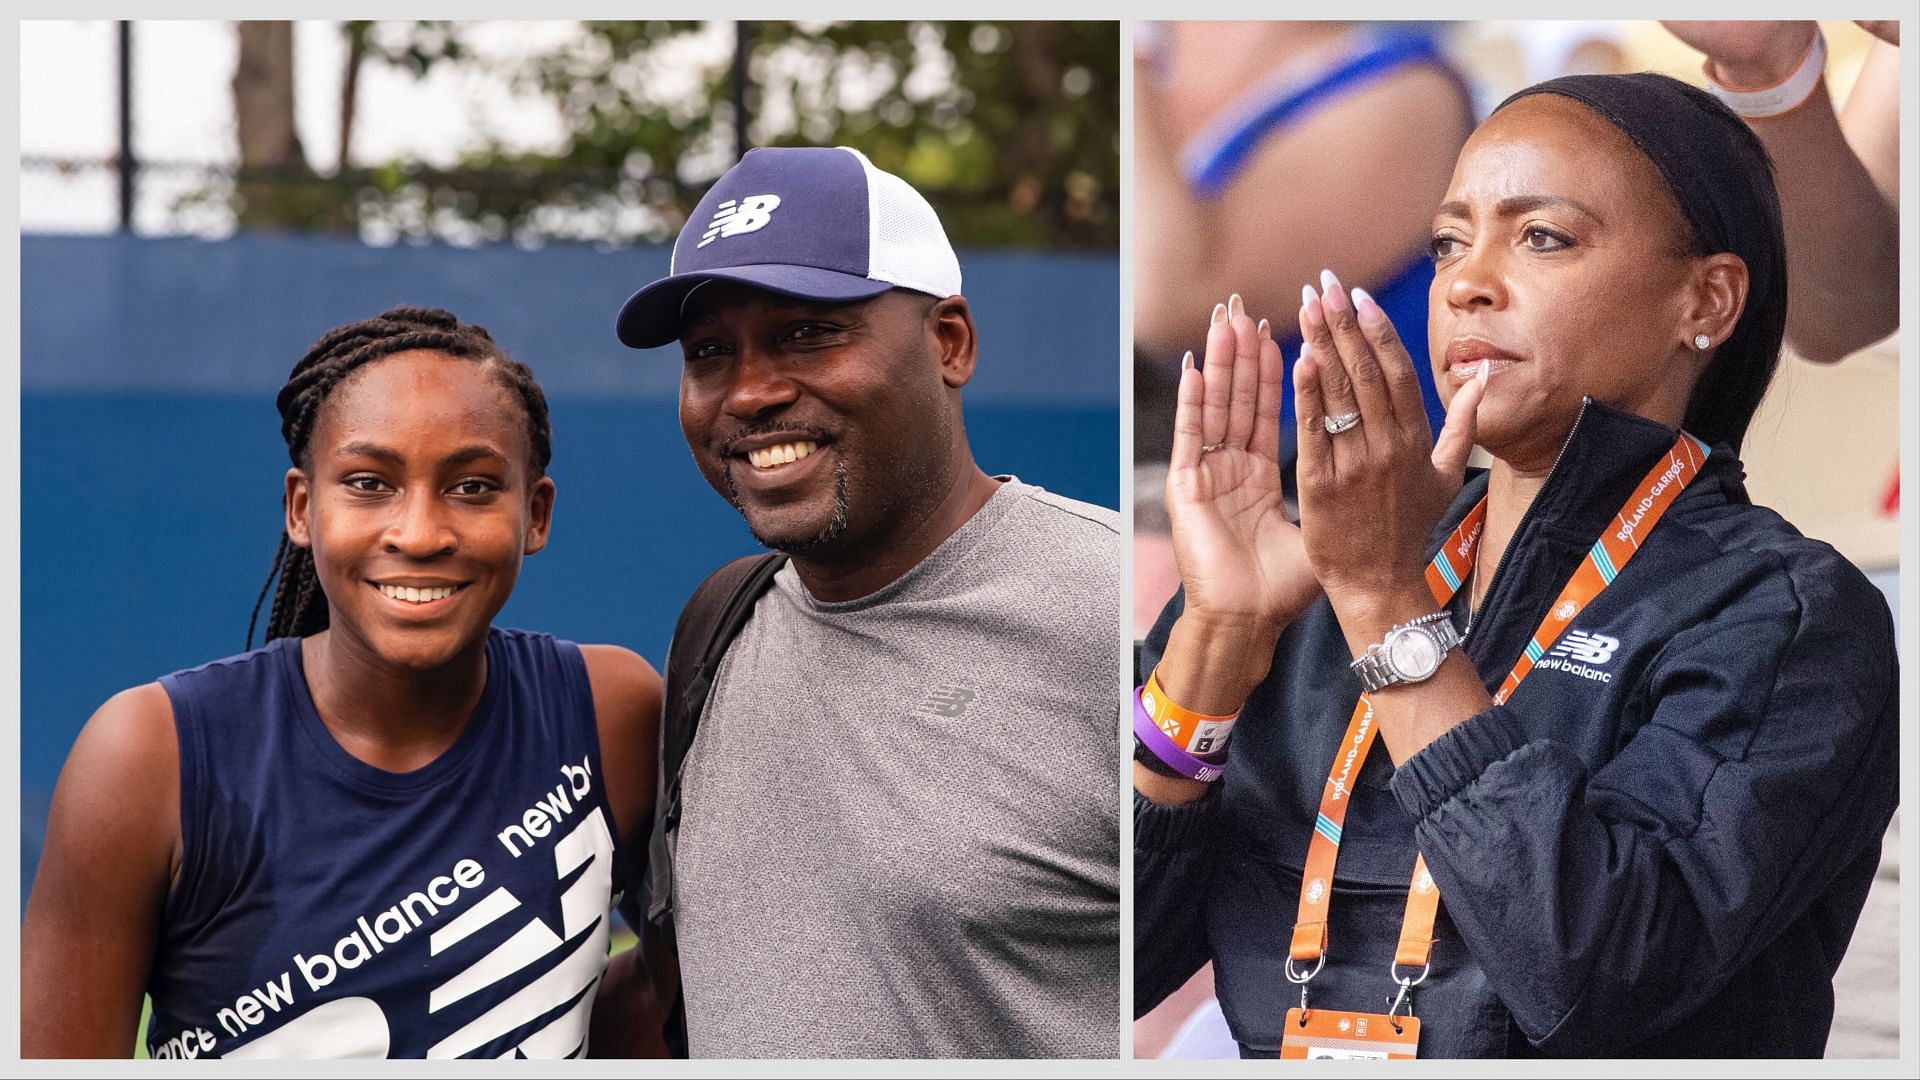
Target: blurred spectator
1267 151
1838 173
1264 152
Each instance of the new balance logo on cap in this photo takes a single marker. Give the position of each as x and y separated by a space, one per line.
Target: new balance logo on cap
744 216
814 223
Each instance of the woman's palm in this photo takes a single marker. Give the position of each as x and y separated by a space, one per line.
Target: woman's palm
1237 551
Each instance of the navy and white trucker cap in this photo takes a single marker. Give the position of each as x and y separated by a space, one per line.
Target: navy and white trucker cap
818 223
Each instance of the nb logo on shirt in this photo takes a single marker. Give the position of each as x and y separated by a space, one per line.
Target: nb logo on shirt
1585 648
947 701
750 214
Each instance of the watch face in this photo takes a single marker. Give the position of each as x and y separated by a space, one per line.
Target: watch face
1413 654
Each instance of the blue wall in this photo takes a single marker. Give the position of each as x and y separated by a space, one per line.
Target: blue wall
151 456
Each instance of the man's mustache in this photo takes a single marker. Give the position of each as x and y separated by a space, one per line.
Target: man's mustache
771 427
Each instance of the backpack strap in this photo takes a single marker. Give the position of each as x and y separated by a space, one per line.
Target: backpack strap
708 624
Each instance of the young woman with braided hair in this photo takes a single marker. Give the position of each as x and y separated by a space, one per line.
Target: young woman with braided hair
394 830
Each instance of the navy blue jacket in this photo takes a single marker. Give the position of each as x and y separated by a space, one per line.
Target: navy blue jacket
1659 854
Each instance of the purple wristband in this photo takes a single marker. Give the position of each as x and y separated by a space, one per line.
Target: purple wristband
1166 750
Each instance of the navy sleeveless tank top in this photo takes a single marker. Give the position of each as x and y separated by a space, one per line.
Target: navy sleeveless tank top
328 908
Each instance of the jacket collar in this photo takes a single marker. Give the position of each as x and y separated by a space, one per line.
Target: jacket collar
1606 454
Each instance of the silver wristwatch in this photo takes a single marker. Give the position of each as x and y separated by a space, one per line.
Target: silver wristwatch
1411 653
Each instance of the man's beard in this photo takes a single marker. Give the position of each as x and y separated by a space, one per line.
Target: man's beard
833 530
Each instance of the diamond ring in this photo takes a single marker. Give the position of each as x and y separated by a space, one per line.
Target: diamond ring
1346 421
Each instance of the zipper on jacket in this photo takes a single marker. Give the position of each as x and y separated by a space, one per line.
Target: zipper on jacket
1472 614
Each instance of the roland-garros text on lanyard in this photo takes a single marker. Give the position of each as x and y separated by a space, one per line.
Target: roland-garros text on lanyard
1617 544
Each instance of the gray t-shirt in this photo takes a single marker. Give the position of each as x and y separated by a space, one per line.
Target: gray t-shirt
900 825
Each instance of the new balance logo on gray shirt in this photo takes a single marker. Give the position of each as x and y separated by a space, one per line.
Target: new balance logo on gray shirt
947 701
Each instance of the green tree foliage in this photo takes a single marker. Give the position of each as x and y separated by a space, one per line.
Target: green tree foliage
1010 128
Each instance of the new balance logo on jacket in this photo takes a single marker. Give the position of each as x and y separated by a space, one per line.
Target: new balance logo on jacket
1583 654
1586 648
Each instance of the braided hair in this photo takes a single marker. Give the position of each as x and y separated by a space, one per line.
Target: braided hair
299 606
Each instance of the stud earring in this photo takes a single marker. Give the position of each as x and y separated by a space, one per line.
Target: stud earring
1701 341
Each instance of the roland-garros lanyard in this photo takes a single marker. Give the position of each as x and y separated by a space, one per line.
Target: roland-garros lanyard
1603 562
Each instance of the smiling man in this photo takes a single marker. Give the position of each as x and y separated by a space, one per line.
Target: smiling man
895 834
